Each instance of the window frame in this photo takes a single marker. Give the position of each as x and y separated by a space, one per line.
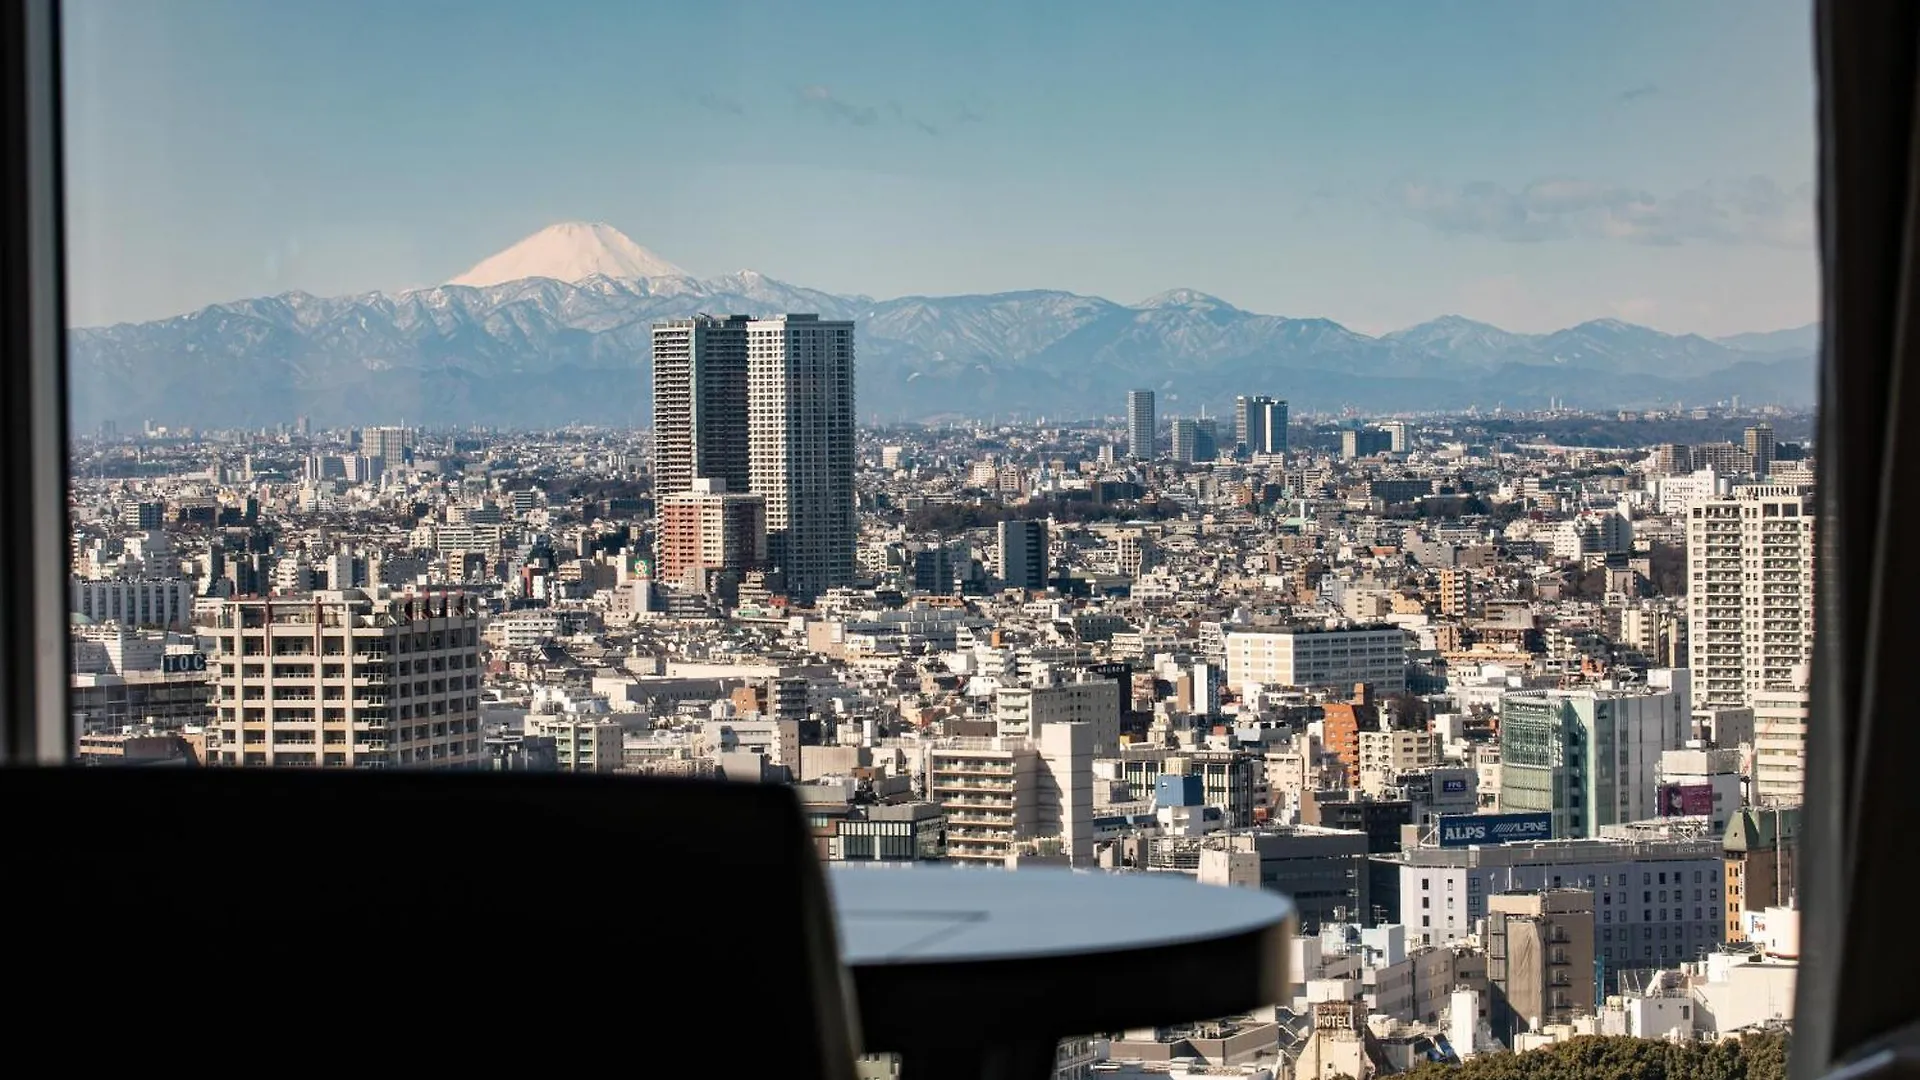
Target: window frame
35 727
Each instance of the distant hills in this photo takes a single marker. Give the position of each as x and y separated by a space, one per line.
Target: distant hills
540 351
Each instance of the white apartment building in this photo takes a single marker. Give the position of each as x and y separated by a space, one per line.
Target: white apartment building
582 743
522 629
1027 711
1780 744
164 602
1750 571
1000 792
1592 533
1310 658
778 739
347 678
800 446
1385 755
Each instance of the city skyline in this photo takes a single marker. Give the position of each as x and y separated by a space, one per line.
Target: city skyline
1376 169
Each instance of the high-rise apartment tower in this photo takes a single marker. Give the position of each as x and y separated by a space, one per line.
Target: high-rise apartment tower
1140 424
800 414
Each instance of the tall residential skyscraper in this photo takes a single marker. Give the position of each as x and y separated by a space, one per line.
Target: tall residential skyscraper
800 414
700 403
1750 574
1140 424
1760 447
1023 553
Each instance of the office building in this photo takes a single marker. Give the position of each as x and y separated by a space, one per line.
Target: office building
143 515
134 602
1022 554
1365 442
1140 424
1659 901
348 678
937 569
1313 658
103 703
1324 871
711 537
1591 757
388 445
1259 425
800 442
700 403
1399 436
1274 428
1750 571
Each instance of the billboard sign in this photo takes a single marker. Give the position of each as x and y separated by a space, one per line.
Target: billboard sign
183 663
1453 785
1467 830
1686 800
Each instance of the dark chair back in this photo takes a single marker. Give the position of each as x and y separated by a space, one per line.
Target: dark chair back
453 918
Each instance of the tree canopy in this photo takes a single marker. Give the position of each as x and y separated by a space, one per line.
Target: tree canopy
1755 1056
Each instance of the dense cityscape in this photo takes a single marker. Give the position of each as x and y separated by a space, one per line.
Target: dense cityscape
976 542
1511 705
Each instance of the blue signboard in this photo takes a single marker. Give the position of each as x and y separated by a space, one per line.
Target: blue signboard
1453 785
1466 830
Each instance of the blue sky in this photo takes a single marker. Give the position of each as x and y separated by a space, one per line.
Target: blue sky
1380 163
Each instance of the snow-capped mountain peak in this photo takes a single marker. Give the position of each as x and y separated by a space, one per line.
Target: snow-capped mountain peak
571 251
1184 298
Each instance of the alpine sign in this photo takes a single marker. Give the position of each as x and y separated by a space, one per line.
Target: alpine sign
1466 830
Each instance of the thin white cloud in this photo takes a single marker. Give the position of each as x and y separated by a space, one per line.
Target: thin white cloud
1755 211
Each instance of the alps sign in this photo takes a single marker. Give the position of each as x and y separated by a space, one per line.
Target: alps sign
1466 830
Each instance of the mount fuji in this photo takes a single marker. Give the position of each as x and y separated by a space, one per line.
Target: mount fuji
557 329
570 251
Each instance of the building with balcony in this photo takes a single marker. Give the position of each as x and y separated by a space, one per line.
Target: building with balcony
1000 792
1540 959
581 743
347 678
1750 571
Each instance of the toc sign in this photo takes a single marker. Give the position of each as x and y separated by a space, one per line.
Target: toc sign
183 663
1466 830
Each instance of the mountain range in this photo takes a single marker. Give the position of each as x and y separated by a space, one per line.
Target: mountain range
556 330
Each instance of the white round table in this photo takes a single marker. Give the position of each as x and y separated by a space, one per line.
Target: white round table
980 973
